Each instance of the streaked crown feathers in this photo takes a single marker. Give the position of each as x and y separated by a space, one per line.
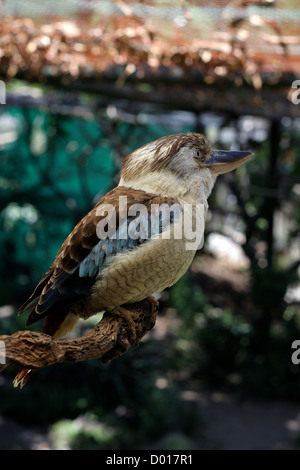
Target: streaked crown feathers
159 155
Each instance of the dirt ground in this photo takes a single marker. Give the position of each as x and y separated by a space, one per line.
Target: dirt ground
248 426
223 424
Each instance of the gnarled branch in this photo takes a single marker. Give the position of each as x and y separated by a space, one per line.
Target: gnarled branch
109 339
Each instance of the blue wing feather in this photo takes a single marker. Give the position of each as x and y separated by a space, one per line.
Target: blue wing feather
97 259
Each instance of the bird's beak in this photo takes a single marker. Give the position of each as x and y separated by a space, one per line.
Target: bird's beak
222 161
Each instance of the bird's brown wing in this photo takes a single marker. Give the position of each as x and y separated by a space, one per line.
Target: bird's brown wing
83 255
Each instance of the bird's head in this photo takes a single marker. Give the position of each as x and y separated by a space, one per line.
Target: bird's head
178 164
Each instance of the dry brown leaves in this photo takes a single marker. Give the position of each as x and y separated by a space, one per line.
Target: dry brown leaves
84 49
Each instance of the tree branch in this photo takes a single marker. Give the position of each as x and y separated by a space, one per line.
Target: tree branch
109 339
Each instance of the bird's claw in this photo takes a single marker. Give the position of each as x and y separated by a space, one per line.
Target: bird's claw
127 315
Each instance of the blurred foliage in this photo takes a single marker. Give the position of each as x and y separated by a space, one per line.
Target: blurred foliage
83 435
114 406
224 349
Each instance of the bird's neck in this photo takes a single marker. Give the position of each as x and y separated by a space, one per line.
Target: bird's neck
192 189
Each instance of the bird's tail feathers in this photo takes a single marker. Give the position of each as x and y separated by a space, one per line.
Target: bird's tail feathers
28 305
22 378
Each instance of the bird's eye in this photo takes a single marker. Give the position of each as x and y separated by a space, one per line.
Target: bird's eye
198 153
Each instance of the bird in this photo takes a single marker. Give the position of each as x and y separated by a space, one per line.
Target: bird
94 272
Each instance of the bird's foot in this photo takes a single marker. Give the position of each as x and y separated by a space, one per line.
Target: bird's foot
127 315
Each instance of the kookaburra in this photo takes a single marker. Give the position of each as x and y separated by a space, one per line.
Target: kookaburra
104 266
